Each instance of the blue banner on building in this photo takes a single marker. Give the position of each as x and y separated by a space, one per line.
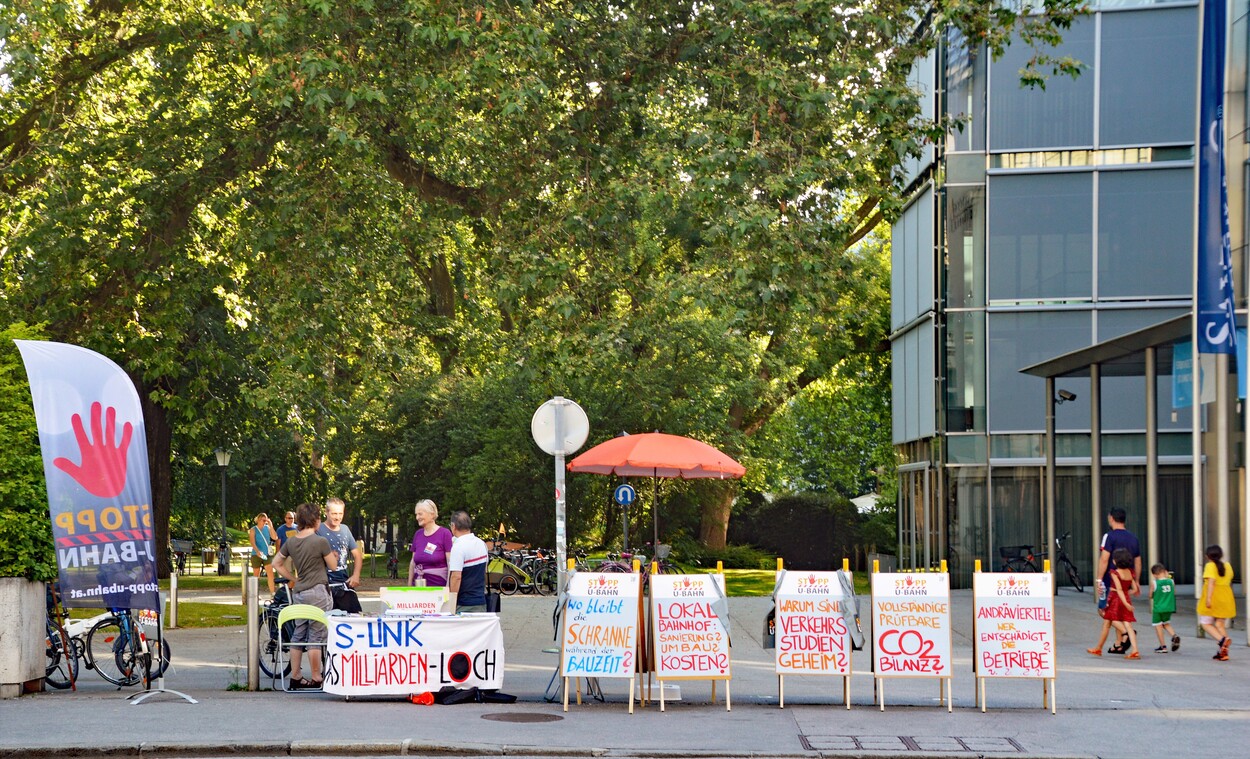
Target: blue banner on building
96 464
1214 298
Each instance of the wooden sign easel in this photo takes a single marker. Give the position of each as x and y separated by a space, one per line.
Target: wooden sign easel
599 635
686 602
911 629
1013 629
806 593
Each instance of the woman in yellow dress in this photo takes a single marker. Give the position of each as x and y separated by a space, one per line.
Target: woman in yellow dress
1217 605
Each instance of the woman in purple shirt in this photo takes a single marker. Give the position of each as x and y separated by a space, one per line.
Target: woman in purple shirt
430 546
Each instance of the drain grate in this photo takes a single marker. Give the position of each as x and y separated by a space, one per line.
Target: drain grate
975 745
522 717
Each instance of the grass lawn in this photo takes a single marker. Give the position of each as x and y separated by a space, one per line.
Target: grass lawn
760 582
190 614
210 580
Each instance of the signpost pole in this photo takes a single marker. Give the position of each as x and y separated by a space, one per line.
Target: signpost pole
559 427
561 535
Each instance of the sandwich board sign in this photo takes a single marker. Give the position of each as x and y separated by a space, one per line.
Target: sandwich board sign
1013 630
812 633
599 634
911 629
690 632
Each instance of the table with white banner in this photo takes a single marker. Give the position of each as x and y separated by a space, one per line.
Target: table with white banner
402 655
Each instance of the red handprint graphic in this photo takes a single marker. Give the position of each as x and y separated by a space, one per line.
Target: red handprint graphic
103 468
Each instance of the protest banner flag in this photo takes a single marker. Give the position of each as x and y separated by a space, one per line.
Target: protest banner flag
1216 330
95 461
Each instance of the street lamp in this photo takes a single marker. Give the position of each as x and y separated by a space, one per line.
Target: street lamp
223 548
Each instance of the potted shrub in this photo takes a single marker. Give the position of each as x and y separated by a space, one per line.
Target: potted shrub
27 558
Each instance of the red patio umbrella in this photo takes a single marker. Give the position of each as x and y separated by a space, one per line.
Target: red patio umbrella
657 455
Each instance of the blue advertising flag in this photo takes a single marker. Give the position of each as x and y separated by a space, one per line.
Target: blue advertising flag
1214 298
96 464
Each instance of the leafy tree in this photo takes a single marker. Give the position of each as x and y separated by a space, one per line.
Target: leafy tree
274 214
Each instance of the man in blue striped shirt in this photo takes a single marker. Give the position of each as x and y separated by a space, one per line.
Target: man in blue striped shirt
466 565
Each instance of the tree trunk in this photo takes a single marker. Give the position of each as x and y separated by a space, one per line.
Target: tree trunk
714 517
160 469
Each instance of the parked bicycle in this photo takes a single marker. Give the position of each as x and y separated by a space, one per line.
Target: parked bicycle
1069 568
662 563
117 648
1023 559
61 669
509 577
623 563
392 563
267 648
1017 559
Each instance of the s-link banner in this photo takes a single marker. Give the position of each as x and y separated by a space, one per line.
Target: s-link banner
95 462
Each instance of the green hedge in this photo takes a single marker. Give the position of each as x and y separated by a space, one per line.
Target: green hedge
26 548
739 557
25 529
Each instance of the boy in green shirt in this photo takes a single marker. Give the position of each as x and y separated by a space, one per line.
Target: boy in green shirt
1162 606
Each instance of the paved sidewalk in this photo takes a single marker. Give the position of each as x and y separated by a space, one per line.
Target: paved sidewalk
1172 705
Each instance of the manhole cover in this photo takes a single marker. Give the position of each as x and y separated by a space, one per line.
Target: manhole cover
522 717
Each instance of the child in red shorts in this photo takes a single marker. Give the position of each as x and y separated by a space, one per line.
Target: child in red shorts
1119 611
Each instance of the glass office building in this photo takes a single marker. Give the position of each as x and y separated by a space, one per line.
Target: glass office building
1053 220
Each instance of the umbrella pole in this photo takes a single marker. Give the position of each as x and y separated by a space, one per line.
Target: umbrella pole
655 511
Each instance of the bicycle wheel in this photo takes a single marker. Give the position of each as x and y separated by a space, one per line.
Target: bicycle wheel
108 645
140 659
545 580
267 645
508 584
1019 565
666 567
1074 577
61 668
159 666
615 566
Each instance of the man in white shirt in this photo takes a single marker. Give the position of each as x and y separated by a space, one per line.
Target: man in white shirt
466 565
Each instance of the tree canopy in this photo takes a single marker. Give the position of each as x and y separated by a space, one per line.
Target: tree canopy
347 220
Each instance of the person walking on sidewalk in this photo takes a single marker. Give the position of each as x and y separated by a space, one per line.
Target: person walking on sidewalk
286 528
1163 606
1119 611
1217 605
1117 537
263 537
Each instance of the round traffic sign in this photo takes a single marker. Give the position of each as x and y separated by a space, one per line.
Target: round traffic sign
560 426
624 494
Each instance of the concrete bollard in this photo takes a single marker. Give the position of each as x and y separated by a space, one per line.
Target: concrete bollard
251 599
172 619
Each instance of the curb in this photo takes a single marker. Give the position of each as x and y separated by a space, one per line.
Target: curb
412 747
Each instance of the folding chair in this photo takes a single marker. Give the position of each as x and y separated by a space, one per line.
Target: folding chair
292 613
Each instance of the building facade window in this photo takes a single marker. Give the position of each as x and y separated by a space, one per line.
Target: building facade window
1040 237
1023 118
965 371
1148 77
1145 233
